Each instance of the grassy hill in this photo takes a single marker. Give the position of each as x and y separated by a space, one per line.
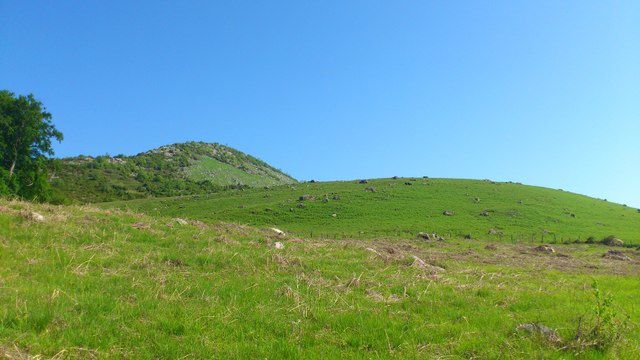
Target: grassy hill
400 208
178 169
82 282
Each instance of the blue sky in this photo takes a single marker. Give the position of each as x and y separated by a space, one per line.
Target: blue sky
541 92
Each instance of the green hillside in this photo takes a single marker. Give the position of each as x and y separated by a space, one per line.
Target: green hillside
78 282
404 207
178 169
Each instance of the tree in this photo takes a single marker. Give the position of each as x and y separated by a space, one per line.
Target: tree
26 132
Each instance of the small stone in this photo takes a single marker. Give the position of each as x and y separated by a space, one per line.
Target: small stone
448 213
278 232
36 216
279 245
181 221
545 248
541 330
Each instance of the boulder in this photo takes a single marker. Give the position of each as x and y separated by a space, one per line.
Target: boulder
448 213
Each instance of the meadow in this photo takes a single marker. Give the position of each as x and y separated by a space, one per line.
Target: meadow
85 282
403 207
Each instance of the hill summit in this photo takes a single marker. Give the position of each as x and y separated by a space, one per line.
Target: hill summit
170 170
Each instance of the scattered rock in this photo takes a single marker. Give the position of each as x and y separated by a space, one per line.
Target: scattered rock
492 247
421 264
140 225
175 262
612 241
448 213
572 215
363 182
306 198
336 197
373 251
370 189
301 206
433 236
408 183
278 232
279 245
334 215
542 331
33 216
616 255
545 249
495 232
325 199
199 224
181 221
476 199
484 213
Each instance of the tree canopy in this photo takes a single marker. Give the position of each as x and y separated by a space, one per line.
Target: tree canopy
26 134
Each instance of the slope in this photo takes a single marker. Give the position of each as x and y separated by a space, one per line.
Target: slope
404 207
81 282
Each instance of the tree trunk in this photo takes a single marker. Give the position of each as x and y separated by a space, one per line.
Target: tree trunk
13 166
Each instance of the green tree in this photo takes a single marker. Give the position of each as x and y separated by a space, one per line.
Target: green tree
26 132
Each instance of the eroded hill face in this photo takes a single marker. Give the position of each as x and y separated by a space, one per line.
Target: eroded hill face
178 169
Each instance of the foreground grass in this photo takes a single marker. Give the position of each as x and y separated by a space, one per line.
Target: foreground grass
110 284
515 213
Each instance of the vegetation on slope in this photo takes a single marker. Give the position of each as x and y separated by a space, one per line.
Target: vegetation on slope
82 282
390 207
178 169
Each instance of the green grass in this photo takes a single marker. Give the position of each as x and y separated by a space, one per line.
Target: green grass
86 282
519 213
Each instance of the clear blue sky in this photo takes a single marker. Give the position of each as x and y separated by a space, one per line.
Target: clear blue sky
541 92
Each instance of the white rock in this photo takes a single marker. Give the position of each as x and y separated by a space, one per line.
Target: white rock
278 232
181 221
36 217
279 245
